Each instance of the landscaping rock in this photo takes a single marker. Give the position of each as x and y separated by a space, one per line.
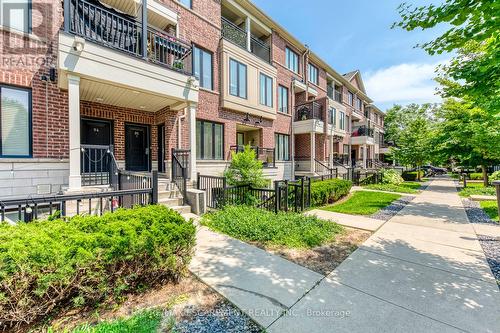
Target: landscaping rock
475 213
385 214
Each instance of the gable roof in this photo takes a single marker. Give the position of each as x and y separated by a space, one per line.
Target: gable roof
354 77
350 75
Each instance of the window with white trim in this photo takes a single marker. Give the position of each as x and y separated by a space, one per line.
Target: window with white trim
202 67
266 90
282 99
342 120
282 142
209 140
291 60
237 79
313 74
16 14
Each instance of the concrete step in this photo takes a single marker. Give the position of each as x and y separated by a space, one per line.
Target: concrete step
194 217
182 209
169 194
170 202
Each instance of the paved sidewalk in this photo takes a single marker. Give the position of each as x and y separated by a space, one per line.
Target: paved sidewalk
424 270
352 221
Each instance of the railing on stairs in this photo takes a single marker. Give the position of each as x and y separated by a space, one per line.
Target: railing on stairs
180 170
323 169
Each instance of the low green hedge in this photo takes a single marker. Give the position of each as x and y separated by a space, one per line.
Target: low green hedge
45 265
328 191
476 176
411 176
494 176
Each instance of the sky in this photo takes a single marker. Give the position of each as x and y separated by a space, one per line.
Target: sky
357 34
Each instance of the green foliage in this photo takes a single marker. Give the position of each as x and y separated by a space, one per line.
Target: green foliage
363 203
283 229
88 259
393 188
329 191
490 208
476 189
476 176
495 176
245 169
391 177
412 176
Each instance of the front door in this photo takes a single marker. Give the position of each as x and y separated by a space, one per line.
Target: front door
161 148
137 154
95 132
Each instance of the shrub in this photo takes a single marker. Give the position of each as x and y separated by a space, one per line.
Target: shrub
495 176
329 191
245 169
87 259
476 176
411 176
257 225
391 177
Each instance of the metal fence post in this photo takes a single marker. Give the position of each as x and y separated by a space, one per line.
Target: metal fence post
286 195
302 197
154 185
496 183
276 196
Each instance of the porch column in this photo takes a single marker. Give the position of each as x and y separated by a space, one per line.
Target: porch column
364 155
75 178
313 152
249 35
191 115
330 154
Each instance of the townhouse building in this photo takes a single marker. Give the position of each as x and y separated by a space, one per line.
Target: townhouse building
90 86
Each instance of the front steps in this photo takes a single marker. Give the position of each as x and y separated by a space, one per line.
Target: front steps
170 196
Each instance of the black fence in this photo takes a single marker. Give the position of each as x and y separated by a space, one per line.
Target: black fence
284 196
180 170
145 192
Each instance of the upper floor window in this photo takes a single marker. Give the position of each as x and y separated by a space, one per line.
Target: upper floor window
332 115
209 140
313 73
282 142
202 67
15 122
342 120
237 79
292 60
282 99
350 98
266 90
16 15
187 3
358 104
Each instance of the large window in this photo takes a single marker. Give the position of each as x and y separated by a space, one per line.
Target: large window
282 142
342 120
313 74
15 122
16 14
237 79
350 98
282 99
187 3
332 116
209 140
292 60
358 104
266 90
202 66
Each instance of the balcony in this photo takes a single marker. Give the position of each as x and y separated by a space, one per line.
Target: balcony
266 155
309 118
363 135
239 37
121 32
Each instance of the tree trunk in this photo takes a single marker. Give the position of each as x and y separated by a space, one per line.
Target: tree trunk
418 173
485 175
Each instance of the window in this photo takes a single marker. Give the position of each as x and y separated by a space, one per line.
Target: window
186 3
313 73
237 79
342 120
350 98
292 60
282 142
282 99
358 104
16 14
332 115
15 122
209 140
202 67
266 90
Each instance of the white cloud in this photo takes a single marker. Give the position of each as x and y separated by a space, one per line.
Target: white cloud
403 83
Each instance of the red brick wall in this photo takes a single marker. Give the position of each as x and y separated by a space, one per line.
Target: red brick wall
302 145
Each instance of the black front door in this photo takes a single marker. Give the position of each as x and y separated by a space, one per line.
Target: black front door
95 132
137 155
161 148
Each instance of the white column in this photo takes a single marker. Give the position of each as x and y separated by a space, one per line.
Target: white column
75 178
330 155
191 115
249 35
364 155
313 152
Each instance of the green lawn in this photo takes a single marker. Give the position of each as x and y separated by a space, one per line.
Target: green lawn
490 208
291 230
406 187
363 203
476 189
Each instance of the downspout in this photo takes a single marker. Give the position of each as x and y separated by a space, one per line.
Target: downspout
292 134
179 128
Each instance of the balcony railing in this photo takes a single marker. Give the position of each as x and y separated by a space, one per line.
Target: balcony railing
266 155
310 110
363 131
122 32
238 36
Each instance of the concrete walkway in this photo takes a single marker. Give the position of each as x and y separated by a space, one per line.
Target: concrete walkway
422 271
352 221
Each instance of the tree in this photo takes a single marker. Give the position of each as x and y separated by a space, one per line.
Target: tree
245 169
467 134
473 33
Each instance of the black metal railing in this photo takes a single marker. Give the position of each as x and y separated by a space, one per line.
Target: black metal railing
238 36
323 169
363 131
95 164
309 110
266 155
180 170
122 32
35 207
341 159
